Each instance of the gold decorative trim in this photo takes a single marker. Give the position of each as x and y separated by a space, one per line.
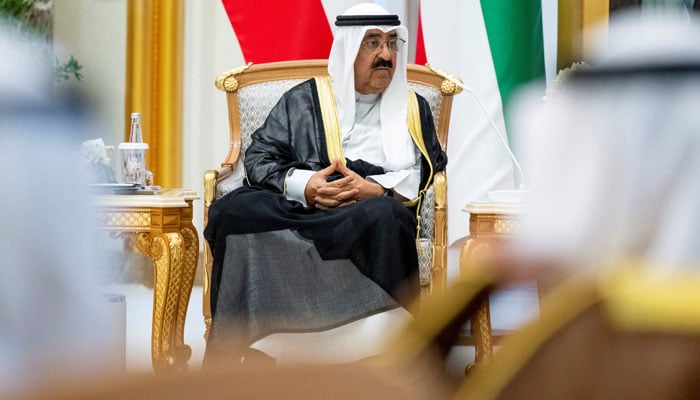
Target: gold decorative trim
167 263
439 272
416 132
440 185
331 123
228 82
167 236
207 264
472 254
414 126
449 88
210 177
109 220
507 226
481 330
187 271
487 226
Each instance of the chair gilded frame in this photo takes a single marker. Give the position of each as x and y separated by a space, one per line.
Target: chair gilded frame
422 79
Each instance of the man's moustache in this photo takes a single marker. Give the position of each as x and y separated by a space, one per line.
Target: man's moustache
382 63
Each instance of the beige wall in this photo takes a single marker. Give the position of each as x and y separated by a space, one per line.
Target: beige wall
94 31
210 48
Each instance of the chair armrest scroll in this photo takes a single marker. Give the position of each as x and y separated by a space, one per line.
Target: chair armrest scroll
211 178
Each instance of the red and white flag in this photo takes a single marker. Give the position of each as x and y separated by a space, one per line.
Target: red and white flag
273 30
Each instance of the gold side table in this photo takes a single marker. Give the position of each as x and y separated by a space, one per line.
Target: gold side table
491 225
160 226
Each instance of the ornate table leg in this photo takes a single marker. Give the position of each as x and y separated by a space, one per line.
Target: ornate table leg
173 274
189 268
161 228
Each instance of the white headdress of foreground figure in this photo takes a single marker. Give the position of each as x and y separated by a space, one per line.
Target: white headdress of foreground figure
398 147
613 161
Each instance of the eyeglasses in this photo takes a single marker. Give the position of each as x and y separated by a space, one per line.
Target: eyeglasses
372 45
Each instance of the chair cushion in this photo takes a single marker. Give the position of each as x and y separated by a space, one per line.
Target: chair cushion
256 102
427 214
432 96
231 182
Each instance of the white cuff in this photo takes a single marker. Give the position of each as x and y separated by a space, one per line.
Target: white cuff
295 184
404 183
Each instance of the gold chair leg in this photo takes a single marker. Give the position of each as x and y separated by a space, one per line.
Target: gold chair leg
481 321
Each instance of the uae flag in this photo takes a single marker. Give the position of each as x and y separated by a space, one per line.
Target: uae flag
494 47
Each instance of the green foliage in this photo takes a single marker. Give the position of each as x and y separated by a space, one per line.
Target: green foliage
70 68
17 9
20 11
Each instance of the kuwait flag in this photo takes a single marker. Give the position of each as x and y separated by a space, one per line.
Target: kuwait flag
493 46
273 30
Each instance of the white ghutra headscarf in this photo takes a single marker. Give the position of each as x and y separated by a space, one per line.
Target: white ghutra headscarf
398 146
614 159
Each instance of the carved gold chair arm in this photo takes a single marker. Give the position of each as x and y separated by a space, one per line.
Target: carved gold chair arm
438 278
210 178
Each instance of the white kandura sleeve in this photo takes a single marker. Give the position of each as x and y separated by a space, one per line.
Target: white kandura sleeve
404 182
295 184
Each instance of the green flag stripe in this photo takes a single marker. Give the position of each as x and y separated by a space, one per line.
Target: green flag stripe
514 30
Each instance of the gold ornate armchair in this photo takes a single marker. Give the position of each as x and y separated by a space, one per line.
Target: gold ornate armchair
252 91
